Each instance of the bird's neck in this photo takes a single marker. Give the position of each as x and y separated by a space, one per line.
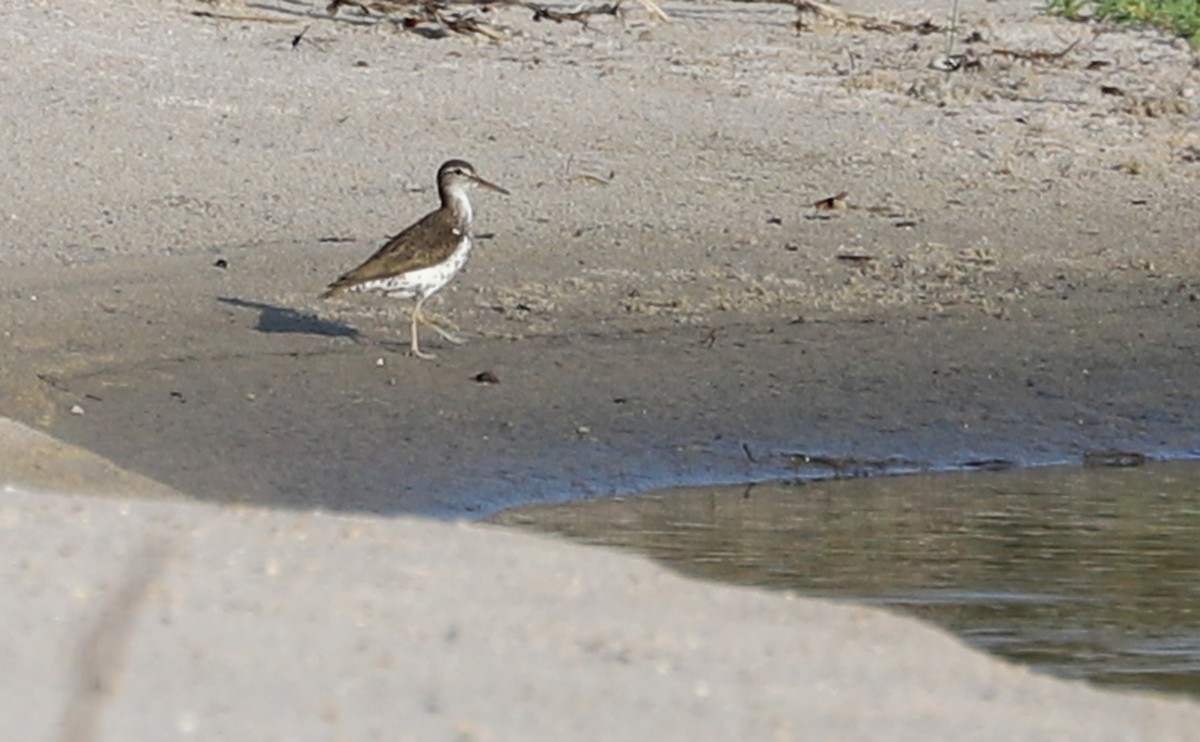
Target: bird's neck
455 200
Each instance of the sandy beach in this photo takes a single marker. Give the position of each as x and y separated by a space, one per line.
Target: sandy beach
1012 275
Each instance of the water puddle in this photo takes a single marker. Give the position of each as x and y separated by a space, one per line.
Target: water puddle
1080 572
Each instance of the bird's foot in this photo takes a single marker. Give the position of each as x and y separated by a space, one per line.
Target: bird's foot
418 353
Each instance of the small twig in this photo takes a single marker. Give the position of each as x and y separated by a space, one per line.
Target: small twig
336 5
837 201
655 12
459 23
232 17
952 31
594 179
1035 56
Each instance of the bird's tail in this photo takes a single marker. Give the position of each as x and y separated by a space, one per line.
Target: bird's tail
333 289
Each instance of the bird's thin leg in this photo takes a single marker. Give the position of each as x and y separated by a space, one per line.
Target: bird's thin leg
446 334
416 320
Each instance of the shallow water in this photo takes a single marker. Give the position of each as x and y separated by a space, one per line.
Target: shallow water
1078 572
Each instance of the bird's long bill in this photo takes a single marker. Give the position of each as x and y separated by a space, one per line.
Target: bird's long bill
490 186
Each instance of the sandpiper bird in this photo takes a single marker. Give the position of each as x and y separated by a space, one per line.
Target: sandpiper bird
424 257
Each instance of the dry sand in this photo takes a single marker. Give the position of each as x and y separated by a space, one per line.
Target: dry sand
1015 277
157 621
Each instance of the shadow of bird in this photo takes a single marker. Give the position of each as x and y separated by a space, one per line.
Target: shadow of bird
275 319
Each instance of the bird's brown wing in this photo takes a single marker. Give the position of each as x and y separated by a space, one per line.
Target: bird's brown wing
426 243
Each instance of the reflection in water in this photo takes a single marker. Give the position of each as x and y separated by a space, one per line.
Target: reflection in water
1084 573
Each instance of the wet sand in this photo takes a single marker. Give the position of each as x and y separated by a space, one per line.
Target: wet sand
277 415
1015 276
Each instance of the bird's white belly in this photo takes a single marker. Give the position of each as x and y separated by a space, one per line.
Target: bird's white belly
423 281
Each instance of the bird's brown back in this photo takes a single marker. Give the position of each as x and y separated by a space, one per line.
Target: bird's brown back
426 243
